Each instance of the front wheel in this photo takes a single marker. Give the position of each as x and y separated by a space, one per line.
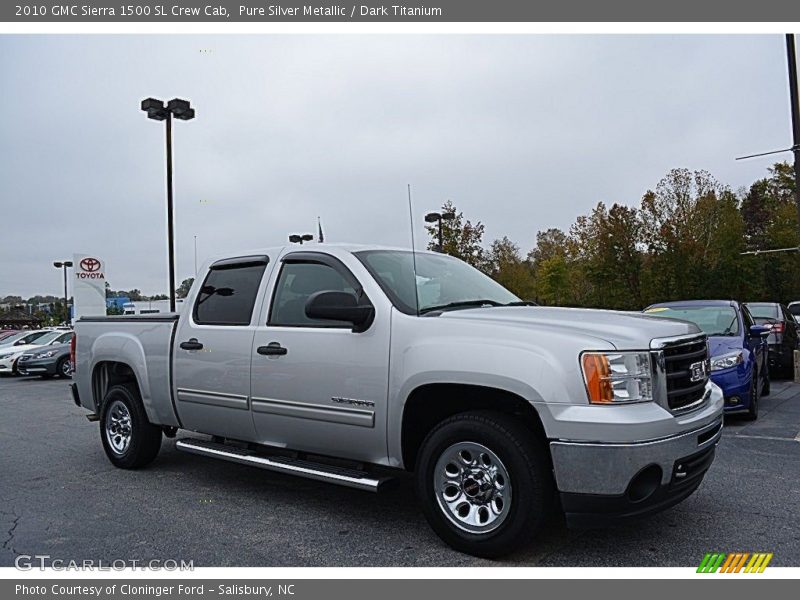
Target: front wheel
752 410
129 439
484 483
64 368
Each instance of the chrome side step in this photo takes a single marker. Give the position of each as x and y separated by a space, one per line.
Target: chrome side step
284 464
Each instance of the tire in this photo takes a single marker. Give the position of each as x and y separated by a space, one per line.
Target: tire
504 460
752 411
766 383
64 368
122 413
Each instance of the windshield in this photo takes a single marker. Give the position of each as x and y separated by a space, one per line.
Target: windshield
712 320
764 311
440 280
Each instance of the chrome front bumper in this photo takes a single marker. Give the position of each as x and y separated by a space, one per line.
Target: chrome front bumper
607 468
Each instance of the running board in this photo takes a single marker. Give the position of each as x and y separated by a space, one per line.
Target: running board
284 464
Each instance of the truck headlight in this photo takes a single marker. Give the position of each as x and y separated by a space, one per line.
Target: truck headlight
726 361
617 377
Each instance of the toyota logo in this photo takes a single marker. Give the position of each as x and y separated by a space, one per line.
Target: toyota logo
90 264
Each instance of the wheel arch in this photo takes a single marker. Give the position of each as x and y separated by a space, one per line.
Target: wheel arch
108 373
431 403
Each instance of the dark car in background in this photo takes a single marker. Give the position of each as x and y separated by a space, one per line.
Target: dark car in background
737 348
48 361
794 308
783 338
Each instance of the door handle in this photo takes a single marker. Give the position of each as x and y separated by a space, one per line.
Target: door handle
272 349
192 344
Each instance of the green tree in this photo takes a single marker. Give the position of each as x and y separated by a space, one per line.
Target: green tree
185 286
460 238
770 221
677 224
506 266
553 281
608 251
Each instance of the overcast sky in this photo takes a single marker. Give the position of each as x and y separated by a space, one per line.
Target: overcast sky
521 132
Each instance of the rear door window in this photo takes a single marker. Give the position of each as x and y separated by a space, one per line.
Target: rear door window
228 294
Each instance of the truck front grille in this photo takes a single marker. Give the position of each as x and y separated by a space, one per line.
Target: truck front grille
687 371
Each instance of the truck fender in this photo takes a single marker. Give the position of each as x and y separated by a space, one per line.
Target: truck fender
125 348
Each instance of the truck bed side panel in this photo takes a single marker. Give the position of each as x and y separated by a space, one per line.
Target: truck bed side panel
144 343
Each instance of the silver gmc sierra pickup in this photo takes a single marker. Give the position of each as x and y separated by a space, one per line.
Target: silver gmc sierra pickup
356 365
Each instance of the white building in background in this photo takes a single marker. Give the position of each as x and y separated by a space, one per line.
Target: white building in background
149 307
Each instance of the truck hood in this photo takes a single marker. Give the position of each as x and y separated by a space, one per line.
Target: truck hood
624 330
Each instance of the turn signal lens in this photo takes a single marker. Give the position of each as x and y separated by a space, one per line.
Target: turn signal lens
617 377
596 373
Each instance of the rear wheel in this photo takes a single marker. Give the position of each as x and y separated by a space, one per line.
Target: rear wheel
765 382
484 483
129 439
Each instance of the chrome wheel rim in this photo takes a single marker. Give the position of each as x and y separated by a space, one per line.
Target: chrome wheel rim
118 427
472 487
66 367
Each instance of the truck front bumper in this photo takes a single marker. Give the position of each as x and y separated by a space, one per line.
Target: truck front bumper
604 482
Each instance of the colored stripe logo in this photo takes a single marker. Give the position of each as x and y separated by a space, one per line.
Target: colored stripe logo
737 562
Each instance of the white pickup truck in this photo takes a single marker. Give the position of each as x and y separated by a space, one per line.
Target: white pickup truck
355 365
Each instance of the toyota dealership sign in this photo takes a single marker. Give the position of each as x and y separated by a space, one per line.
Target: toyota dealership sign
89 286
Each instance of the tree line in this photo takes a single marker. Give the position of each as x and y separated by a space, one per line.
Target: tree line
684 240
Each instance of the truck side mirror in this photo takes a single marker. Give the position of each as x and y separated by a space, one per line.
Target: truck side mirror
340 306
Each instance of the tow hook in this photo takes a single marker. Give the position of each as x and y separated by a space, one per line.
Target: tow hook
170 431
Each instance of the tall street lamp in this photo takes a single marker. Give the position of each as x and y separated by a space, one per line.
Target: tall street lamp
66 264
299 239
435 217
180 109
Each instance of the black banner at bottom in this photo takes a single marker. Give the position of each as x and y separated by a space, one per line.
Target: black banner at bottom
731 587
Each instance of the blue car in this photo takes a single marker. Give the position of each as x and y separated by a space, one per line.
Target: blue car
737 347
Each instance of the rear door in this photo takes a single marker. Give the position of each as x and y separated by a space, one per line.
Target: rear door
212 349
316 385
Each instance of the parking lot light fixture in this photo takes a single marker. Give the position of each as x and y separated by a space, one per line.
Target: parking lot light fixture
64 264
300 239
156 110
435 217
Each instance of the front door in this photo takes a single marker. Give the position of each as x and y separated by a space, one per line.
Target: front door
316 385
213 349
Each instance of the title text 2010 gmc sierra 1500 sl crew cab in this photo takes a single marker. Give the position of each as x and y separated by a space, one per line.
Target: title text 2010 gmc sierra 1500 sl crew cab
351 364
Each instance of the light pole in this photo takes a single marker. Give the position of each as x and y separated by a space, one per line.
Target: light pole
791 57
180 109
299 239
65 264
435 217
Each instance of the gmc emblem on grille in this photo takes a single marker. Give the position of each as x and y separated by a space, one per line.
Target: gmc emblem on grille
697 371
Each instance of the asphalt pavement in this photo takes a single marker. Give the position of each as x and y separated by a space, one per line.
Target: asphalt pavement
60 496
